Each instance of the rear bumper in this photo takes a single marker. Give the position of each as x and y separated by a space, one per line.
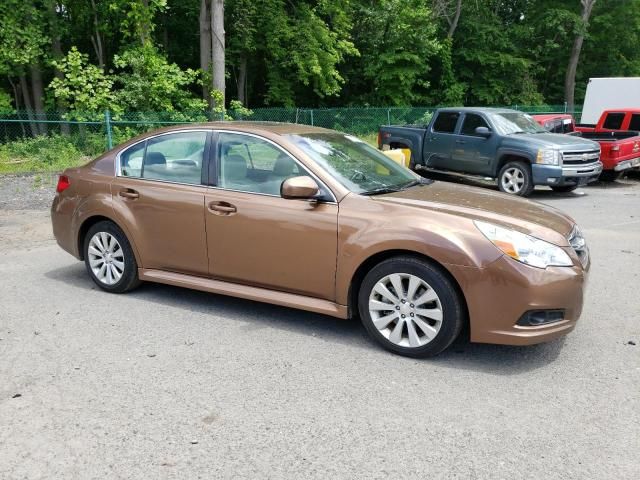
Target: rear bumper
566 175
627 164
500 294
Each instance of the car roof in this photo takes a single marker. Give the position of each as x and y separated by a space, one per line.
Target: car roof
277 128
478 109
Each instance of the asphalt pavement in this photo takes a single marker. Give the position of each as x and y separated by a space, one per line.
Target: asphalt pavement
165 382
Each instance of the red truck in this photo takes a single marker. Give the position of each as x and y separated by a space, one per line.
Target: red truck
617 132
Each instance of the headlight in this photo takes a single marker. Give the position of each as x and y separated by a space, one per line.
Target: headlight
525 248
548 156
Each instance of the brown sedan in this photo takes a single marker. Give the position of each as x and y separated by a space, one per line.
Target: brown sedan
318 220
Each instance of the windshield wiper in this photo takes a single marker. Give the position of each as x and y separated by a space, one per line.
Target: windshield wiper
381 190
519 132
397 188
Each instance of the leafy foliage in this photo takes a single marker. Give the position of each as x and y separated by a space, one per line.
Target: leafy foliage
84 88
149 83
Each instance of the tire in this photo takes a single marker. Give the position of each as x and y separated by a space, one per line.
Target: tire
564 188
515 178
405 328
609 176
112 266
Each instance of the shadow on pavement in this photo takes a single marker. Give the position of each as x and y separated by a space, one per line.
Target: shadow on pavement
494 359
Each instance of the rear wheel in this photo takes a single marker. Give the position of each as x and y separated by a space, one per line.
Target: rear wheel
564 188
410 307
515 179
610 175
109 258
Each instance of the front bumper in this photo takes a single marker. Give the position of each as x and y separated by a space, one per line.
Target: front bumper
555 176
500 294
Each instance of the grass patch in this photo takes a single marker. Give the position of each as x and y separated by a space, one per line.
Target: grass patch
46 154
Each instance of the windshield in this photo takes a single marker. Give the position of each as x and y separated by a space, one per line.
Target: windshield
515 122
356 165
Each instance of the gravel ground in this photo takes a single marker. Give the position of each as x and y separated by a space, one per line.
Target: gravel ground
165 382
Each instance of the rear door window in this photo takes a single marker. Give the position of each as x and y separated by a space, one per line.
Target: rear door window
613 121
634 124
446 122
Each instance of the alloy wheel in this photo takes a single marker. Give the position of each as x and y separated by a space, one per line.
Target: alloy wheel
405 310
106 258
512 180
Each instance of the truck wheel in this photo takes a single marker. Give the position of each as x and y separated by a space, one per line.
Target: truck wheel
564 188
515 179
610 175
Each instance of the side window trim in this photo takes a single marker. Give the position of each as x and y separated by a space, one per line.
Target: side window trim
205 158
215 156
456 128
464 118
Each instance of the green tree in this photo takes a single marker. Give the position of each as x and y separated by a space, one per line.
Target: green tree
83 88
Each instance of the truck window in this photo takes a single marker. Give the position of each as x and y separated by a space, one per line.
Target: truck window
470 123
446 122
613 121
634 124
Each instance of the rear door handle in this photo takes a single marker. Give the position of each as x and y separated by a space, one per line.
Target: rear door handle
461 141
129 193
222 208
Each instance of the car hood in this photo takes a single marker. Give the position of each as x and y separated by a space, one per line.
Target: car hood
557 140
532 218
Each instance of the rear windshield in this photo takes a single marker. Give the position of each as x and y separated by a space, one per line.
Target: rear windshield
354 163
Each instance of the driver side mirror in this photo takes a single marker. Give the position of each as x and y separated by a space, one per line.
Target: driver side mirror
483 132
302 187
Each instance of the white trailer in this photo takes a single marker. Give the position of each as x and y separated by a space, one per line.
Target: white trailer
609 93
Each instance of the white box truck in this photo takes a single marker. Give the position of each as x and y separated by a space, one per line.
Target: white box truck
608 93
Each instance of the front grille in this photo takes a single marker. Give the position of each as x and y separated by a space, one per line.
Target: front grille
579 245
580 158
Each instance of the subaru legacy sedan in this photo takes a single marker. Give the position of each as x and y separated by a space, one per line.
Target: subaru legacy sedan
319 220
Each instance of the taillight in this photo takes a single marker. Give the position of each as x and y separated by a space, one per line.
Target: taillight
63 183
379 139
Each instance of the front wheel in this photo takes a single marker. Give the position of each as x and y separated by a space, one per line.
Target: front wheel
410 307
109 258
515 178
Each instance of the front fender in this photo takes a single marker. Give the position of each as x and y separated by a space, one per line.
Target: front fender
446 239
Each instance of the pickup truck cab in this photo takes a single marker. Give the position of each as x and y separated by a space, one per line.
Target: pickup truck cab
619 120
497 144
619 149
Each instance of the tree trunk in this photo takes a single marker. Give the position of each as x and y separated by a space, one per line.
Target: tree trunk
454 23
205 47
241 81
28 106
217 47
96 39
56 50
38 97
16 97
570 77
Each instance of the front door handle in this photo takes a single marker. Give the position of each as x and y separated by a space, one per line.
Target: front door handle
129 193
461 141
222 208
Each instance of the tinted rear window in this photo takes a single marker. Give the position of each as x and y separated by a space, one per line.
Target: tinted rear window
634 124
613 121
446 122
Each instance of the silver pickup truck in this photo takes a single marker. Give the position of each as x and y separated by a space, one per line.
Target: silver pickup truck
498 144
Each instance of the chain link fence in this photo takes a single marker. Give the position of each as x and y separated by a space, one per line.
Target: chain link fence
30 142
